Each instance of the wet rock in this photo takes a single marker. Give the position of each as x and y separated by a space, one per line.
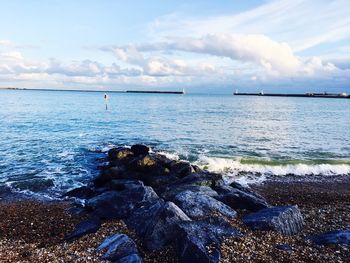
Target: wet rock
140 149
159 181
120 153
117 172
118 246
83 192
169 194
286 220
181 169
195 237
133 258
198 205
164 229
87 226
124 184
239 199
203 179
337 237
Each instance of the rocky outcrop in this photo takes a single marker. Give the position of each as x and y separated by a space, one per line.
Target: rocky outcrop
168 201
286 220
338 237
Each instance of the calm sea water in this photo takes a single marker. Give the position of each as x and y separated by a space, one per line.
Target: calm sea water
54 141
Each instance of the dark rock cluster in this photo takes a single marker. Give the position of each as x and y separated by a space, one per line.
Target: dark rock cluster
169 201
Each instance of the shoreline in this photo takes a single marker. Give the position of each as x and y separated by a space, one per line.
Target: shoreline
324 204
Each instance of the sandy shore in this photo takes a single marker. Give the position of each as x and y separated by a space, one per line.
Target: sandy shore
32 231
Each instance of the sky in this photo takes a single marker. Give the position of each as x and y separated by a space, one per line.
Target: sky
202 46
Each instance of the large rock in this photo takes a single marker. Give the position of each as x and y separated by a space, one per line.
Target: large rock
338 237
120 153
198 205
172 192
140 149
181 169
195 237
164 229
118 246
87 226
143 218
119 204
156 223
83 192
286 220
239 199
200 179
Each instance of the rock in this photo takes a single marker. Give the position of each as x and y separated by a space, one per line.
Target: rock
118 246
124 184
109 174
202 179
181 169
198 205
171 193
133 258
284 247
238 199
164 229
337 237
286 220
83 192
120 153
194 238
119 204
140 149
143 217
76 211
87 226
159 181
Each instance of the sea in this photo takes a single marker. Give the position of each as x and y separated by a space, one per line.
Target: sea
53 141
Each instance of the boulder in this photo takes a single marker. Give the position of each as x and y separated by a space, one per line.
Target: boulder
171 193
106 175
337 237
143 217
140 149
238 199
120 153
119 204
202 179
159 181
83 192
181 169
286 220
198 205
87 226
118 246
164 228
194 238
133 258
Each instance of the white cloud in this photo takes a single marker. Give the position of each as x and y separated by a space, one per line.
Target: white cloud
301 23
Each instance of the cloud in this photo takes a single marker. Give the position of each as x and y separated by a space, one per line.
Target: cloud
301 23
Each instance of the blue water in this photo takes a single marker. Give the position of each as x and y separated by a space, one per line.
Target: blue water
53 141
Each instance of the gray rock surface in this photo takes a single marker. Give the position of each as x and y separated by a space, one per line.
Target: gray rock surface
286 220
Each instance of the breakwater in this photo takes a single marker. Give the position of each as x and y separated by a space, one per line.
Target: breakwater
306 95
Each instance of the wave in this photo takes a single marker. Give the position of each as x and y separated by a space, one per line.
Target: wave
240 166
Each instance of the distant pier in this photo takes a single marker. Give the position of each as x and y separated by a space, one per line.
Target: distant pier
305 95
155 91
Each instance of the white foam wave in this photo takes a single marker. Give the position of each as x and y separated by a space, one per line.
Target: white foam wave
233 167
171 156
